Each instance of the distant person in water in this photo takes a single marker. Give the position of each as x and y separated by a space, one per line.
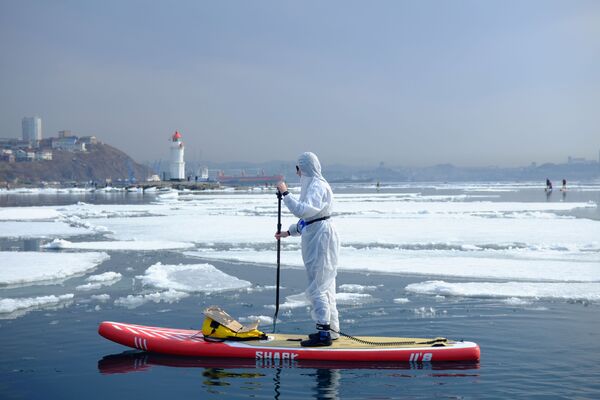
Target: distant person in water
548 185
564 186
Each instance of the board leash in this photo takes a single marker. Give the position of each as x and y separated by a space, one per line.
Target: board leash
437 341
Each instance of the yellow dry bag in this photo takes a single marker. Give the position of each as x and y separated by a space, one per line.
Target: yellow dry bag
218 325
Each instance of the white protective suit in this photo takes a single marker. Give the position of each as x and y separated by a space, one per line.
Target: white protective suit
320 242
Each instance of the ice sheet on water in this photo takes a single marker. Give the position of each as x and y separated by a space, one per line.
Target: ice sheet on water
547 265
568 291
129 245
28 213
191 278
410 233
10 306
413 229
87 211
26 268
38 229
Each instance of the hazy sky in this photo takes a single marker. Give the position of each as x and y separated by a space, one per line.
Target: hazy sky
405 82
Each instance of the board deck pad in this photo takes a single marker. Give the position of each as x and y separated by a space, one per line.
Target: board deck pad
185 342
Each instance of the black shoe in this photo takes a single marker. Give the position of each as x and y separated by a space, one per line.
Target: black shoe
315 336
317 341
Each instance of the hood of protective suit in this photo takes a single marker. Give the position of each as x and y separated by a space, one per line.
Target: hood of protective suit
310 167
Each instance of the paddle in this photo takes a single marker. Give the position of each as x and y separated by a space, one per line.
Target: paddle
279 197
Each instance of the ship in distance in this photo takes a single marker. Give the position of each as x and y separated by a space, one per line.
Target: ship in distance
243 179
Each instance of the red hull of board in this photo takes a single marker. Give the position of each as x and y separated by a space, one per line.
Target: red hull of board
183 342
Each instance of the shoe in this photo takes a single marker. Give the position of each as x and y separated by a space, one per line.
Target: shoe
320 339
315 336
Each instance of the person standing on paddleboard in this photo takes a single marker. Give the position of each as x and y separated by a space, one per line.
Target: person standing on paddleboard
320 245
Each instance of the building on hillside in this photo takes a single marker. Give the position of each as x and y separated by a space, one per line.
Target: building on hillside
88 140
43 155
65 133
24 155
46 143
7 155
70 143
13 143
177 165
32 130
153 178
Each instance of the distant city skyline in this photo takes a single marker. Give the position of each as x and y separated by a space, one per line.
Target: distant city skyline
408 83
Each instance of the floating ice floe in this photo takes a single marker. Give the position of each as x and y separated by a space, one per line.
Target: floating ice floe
425 311
515 301
263 319
401 300
191 278
292 301
101 280
534 290
300 300
355 288
103 298
131 245
26 268
353 298
134 301
8 305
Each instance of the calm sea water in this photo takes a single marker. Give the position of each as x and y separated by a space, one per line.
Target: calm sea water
543 349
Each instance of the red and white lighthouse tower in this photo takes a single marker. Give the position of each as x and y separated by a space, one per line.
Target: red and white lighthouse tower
177 163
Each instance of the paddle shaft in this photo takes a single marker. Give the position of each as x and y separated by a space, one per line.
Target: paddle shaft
279 197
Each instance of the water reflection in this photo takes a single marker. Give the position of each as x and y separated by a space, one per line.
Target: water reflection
328 383
135 361
222 372
33 244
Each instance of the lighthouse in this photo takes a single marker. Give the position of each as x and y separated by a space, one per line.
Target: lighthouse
177 163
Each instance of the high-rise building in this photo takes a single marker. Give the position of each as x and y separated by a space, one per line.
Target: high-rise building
32 129
177 163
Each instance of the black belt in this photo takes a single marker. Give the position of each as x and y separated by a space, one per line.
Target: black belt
318 219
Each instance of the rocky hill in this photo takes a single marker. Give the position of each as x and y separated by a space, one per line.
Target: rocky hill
98 163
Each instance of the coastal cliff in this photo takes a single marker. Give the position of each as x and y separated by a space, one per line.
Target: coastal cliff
99 163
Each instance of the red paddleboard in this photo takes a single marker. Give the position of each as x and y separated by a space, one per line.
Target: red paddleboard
286 348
